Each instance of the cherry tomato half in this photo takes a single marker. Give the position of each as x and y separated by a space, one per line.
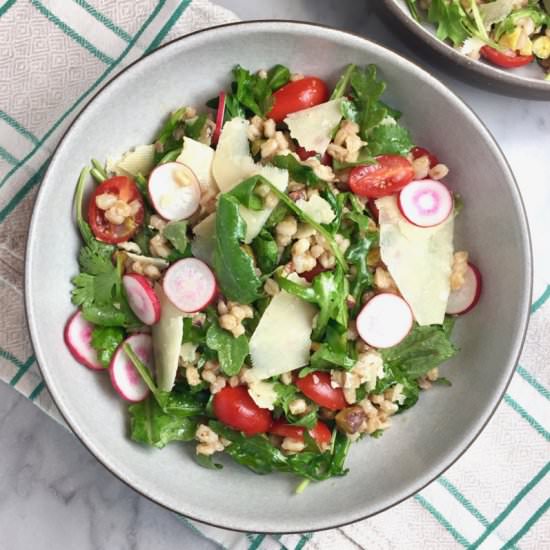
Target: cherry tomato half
234 407
316 386
320 432
418 152
125 190
388 175
506 60
296 96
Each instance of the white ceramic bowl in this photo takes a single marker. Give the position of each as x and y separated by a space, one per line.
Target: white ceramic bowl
423 441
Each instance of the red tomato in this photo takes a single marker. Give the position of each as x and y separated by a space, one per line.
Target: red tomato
125 190
316 386
506 60
234 407
388 175
418 152
320 432
296 96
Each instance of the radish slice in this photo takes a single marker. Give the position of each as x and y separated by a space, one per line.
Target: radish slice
425 203
465 298
174 191
124 376
189 284
384 320
142 298
78 338
219 119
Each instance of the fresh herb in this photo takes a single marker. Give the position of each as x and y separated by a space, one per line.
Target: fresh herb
425 348
266 251
389 139
343 83
411 4
231 351
233 265
176 234
348 110
100 168
297 171
356 255
449 18
258 454
195 127
334 351
277 77
150 425
105 341
328 291
171 156
206 461
538 16
166 139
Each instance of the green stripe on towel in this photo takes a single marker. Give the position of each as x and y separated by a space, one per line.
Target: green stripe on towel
121 33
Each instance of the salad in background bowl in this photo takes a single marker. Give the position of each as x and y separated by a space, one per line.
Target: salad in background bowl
273 278
506 41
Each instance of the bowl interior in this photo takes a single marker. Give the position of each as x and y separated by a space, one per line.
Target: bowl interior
423 441
527 81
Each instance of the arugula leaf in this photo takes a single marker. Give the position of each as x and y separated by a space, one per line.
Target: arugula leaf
105 341
252 91
207 461
425 348
266 251
366 91
194 128
328 291
343 82
333 351
234 266
297 171
449 18
389 139
259 455
287 394
231 351
165 141
356 255
277 77
176 233
348 110
245 193
150 425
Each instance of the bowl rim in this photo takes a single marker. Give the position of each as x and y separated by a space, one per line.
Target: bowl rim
33 230
495 75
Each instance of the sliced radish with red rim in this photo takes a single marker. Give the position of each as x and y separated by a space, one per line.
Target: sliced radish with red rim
219 119
384 321
78 338
141 298
125 378
425 203
189 284
174 191
467 296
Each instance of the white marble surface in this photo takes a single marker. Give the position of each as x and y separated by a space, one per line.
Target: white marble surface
53 494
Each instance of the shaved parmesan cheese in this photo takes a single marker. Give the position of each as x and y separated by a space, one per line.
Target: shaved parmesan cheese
232 160
419 259
204 243
139 161
263 394
317 208
167 335
199 158
312 128
188 352
255 219
282 339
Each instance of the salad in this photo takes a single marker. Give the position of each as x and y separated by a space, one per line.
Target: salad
274 276
507 33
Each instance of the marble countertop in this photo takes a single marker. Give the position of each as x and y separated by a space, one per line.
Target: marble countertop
48 479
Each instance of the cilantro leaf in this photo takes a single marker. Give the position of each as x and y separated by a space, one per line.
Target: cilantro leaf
105 341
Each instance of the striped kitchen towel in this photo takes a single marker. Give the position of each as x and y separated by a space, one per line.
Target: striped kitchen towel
54 54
